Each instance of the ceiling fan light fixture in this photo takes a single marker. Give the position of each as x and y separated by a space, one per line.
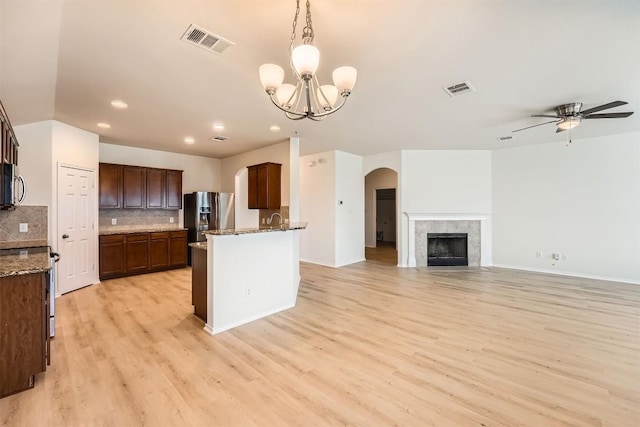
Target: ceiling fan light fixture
569 123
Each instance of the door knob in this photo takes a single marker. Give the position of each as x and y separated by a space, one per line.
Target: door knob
65 236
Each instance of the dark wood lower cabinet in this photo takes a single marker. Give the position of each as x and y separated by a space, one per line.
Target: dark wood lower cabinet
158 250
24 334
199 282
138 253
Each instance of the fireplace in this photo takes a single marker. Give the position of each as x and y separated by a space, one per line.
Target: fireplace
447 249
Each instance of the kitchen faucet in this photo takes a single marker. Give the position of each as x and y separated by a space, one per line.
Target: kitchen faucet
271 218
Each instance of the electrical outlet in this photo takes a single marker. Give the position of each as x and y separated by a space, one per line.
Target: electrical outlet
171 220
114 221
248 292
263 220
538 254
24 227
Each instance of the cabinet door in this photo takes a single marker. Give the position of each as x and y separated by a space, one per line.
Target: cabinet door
134 193
156 188
158 250
174 189
263 187
110 185
137 256
252 187
23 333
112 252
178 249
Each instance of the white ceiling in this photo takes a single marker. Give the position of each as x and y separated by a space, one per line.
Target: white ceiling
67 59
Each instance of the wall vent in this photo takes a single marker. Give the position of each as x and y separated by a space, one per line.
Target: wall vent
505 138
205 39
459 89
218 138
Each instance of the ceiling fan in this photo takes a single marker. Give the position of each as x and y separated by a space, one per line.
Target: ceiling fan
568 116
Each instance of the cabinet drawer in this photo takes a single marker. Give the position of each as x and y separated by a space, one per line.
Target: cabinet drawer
115 238
179 234
159 235
137 237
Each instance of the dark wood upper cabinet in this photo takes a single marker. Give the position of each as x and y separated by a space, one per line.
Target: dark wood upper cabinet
110 185
174 189
136 187
134 192
156 184
264 181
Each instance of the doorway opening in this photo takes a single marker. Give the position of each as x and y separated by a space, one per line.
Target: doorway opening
381 223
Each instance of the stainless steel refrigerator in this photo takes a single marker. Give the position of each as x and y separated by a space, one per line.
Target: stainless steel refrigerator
207 211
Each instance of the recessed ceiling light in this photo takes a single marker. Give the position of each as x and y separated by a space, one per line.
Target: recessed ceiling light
218 126
119 104
189 140
104 125
274 128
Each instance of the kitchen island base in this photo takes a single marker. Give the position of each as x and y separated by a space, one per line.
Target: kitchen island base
250 275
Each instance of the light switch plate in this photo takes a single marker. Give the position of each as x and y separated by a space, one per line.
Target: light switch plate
24 227
170 220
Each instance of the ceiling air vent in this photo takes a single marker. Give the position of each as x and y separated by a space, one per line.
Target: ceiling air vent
505 138
459 89
218 138
205 39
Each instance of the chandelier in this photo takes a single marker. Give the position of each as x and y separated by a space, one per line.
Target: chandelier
307 98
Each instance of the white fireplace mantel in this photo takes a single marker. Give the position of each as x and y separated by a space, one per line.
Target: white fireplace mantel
485 231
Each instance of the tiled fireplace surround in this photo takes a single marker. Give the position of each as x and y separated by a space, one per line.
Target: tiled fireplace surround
476 225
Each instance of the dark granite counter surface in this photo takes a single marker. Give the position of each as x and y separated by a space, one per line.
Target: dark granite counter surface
19 261
131 230
199 245
252 230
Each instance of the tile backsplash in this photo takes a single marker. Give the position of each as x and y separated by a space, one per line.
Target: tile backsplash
265 214
34 216
136 218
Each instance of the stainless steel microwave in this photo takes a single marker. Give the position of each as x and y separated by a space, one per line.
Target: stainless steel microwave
13 187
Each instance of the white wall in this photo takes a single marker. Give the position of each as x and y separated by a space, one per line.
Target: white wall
442 181
375 180
317 207
200 173
278 153
349 206
34 157
582 201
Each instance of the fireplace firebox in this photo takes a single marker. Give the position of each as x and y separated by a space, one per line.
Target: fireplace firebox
447 249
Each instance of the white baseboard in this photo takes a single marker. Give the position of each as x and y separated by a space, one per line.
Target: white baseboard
567 273
215 330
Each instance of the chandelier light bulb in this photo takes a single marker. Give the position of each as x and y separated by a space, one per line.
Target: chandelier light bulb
271 76
306 59
327 96
345 78
286 95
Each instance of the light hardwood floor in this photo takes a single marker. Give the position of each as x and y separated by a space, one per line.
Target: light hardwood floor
368 344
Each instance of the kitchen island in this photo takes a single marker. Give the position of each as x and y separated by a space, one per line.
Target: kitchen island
251 273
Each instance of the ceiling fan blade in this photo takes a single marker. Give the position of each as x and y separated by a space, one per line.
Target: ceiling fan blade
609 115
560 130
539 124
603 107
546 115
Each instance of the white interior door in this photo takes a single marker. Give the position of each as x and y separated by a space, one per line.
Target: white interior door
76 228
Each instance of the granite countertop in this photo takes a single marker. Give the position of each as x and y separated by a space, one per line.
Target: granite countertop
199 245
118 230
236 231
23 244
18 261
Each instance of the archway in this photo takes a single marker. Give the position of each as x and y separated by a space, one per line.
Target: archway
381 221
